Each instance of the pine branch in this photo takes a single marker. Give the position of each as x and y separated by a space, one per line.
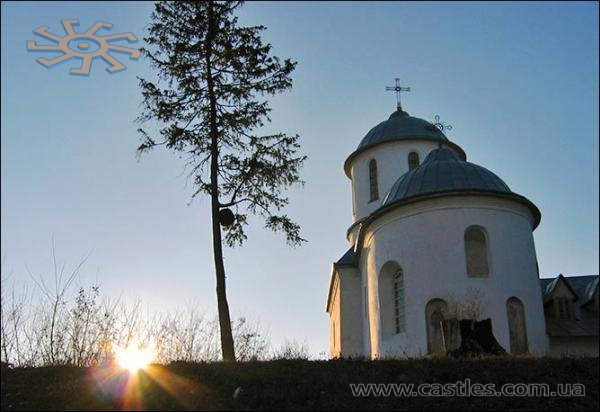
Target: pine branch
253 170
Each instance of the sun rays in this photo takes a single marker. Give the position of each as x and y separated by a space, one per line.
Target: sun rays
134 357
131 378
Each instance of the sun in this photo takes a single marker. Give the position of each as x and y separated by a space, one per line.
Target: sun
134 357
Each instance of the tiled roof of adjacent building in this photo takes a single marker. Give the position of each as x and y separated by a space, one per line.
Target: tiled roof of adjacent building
586 319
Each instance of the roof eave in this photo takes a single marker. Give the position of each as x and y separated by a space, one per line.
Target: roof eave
537 215
331 282
354 154
562 278
353 225
364 223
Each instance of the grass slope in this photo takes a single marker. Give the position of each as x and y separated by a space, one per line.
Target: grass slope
293 384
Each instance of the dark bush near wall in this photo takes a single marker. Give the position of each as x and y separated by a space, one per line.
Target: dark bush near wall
299 384
468 338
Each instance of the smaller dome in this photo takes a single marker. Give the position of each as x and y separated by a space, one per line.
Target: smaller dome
443 172
398 127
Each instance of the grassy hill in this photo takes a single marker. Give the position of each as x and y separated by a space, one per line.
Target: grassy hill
294 384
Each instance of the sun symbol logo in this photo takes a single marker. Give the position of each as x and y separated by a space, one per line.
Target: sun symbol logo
86 46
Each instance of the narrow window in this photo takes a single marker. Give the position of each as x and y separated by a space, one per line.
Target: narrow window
413 160
571 309
435 312
399 313
477 252
565 309
562 308
517 330
391 300
373 180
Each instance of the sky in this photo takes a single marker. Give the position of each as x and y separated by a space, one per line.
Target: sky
517 81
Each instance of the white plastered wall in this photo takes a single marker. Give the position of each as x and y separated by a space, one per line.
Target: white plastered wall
427 240
392 162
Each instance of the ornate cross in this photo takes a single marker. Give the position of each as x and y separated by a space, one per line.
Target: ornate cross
441 125
398 90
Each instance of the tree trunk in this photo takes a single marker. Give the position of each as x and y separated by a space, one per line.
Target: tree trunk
224 318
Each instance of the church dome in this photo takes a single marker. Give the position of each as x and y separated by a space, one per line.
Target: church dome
401 126
442 172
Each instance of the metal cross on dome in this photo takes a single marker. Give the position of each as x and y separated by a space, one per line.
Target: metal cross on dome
441 125
398 89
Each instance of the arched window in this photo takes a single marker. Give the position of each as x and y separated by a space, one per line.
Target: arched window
435 312
374 190
413 160
391 300
476 252
517 331
399 312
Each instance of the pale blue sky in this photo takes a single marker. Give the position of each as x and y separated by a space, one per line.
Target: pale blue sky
518 82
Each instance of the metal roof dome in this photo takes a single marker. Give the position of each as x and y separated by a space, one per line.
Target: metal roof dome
441 173
401 126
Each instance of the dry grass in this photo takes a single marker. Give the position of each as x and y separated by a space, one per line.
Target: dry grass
296 384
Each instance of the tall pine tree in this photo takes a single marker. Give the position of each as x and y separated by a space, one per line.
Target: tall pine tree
209 103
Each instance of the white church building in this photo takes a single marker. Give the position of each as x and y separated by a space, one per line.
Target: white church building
433 237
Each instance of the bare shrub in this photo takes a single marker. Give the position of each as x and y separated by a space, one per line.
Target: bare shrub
469 307
186 336
64 323
292 349
13 314
250 342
